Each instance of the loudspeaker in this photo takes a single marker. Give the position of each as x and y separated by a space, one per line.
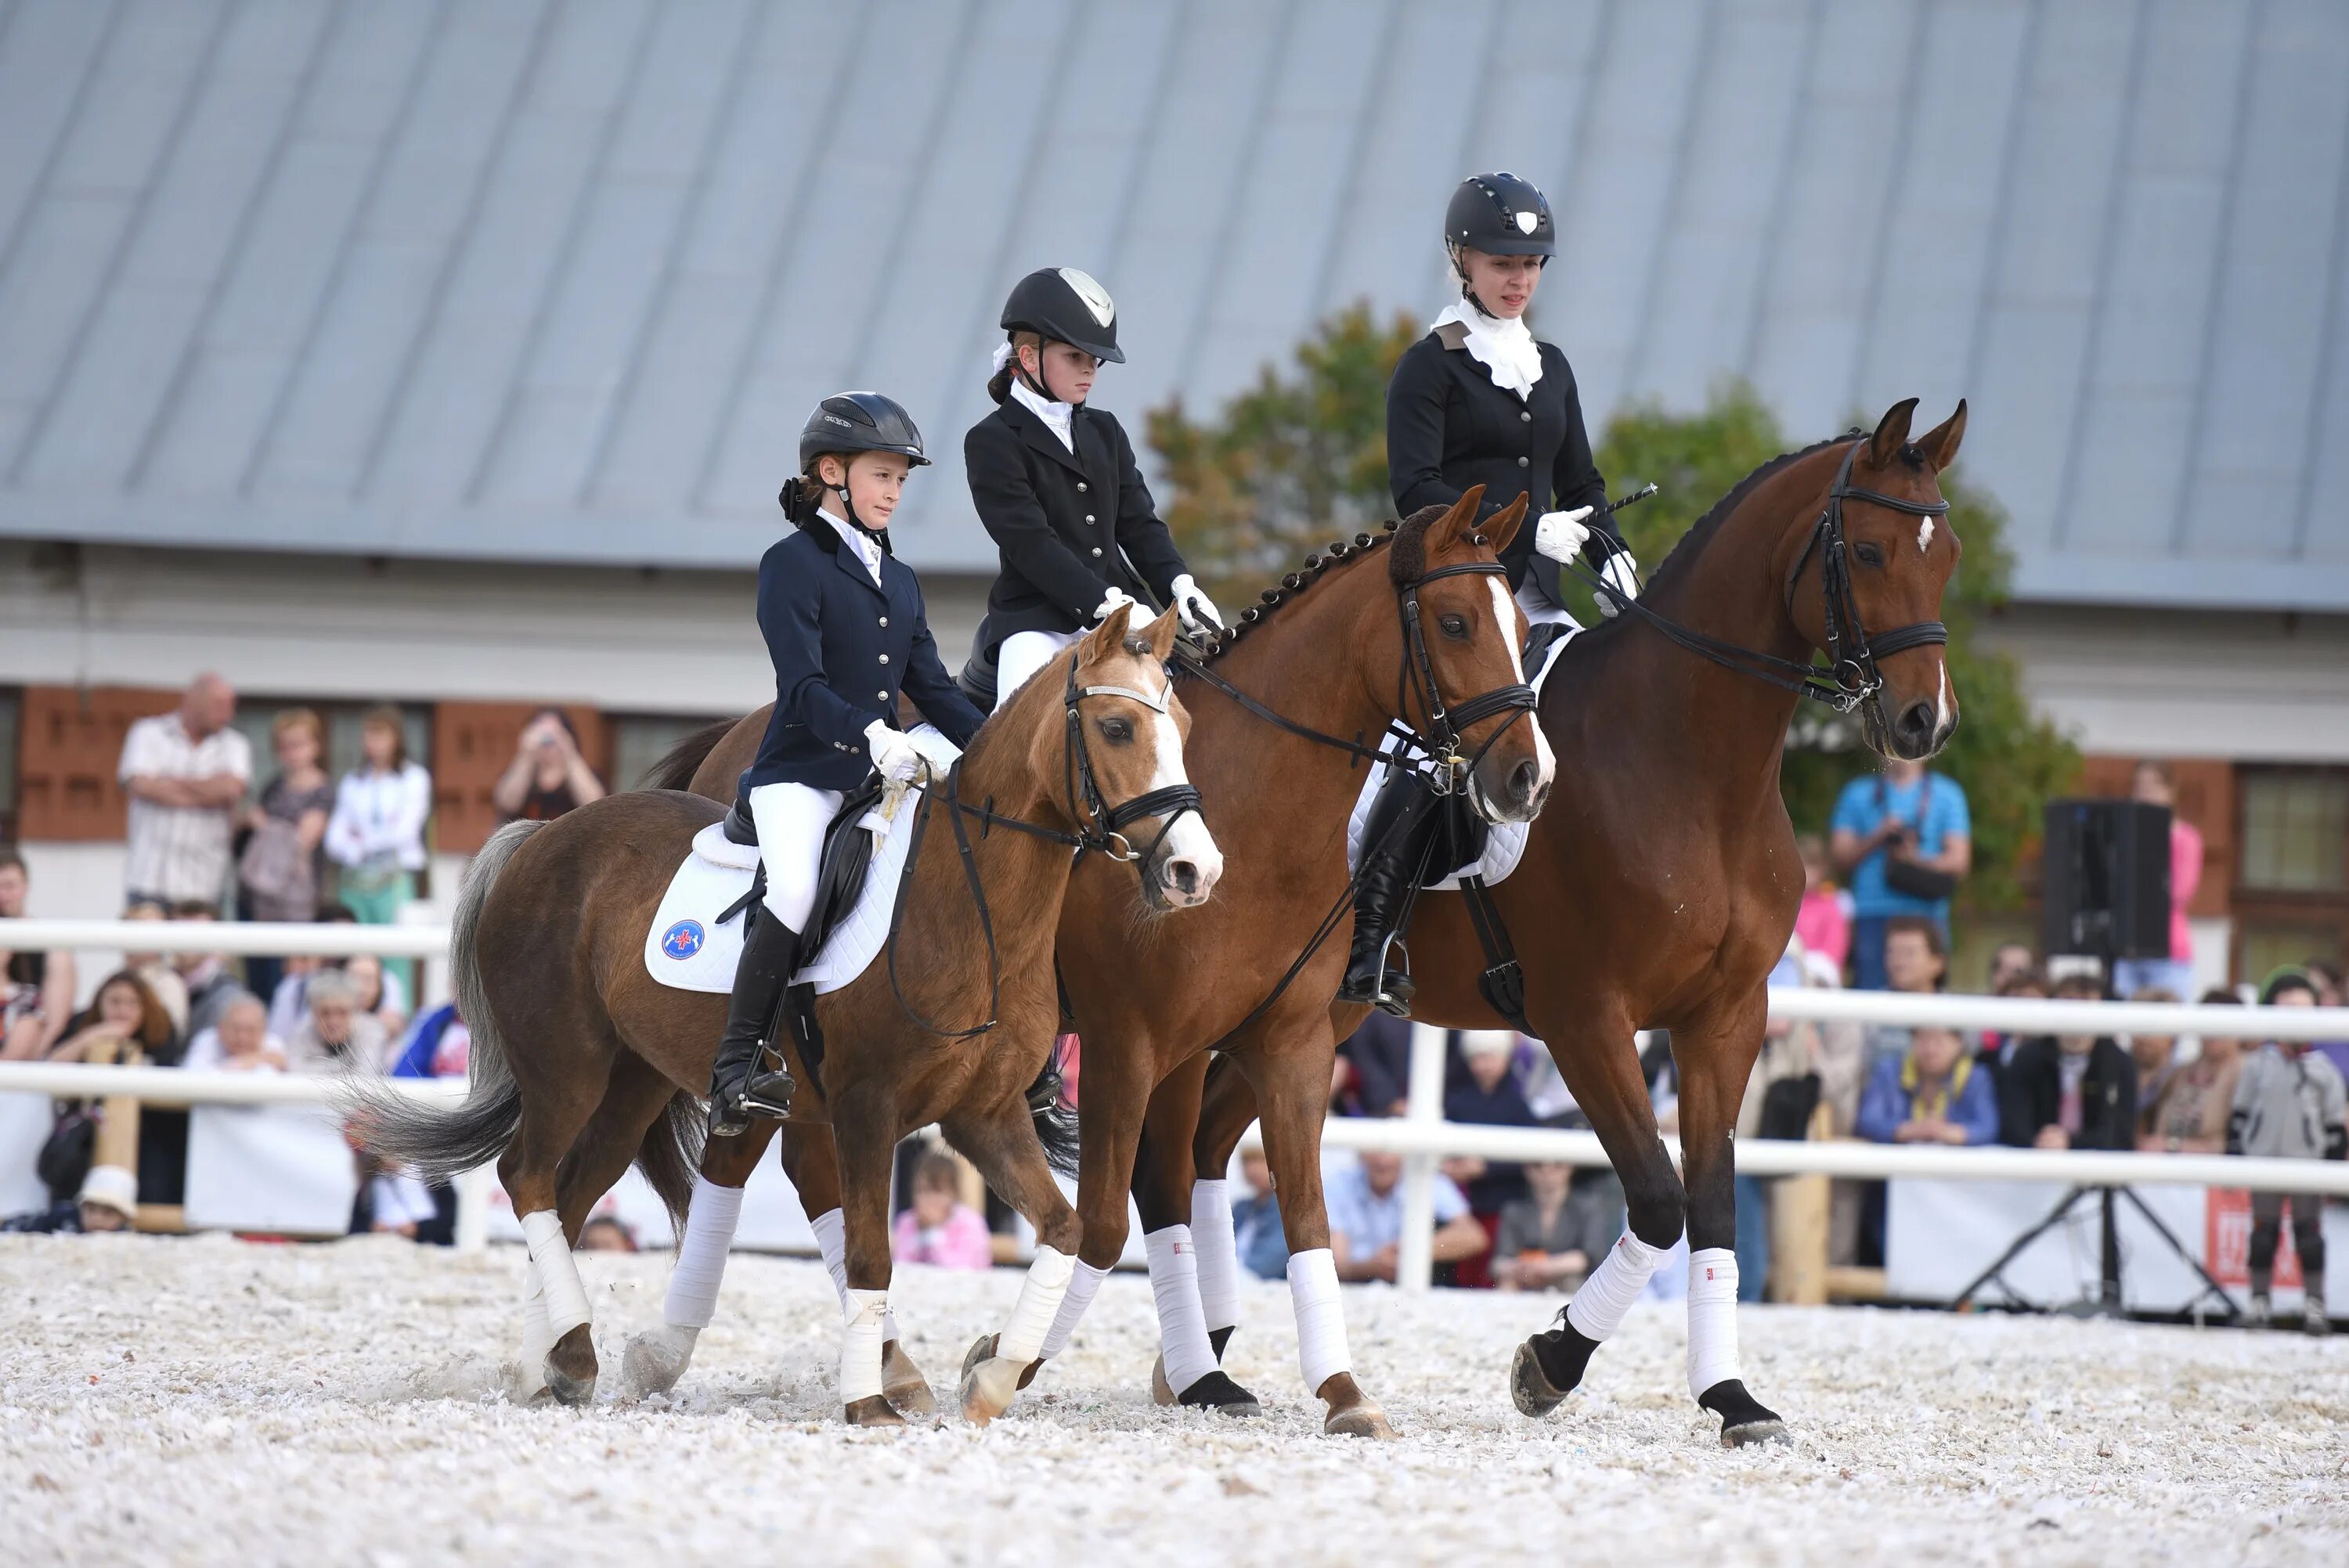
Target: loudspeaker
2107 879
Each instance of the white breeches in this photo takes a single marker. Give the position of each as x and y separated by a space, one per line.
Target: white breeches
791 820
1539 611
1022 654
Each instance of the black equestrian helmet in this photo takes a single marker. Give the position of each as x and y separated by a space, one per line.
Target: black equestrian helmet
1061 305
1500 215
859 422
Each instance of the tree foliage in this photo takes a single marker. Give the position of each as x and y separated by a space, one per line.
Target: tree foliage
1299 457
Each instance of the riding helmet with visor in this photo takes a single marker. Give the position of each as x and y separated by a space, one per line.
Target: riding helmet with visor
845 424
1061 305
1501 215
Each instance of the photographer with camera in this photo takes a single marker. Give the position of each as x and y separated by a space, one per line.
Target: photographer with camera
1902 840
547 775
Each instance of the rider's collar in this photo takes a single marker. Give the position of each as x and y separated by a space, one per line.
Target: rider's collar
864 542
1060 417
1504 345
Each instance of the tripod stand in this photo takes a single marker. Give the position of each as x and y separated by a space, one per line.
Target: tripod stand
2108 1304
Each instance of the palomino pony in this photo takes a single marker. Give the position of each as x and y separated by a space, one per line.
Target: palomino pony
1662 883
581 1060
1413 627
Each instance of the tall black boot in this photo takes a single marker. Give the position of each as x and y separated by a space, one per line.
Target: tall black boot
1402 828
741 1084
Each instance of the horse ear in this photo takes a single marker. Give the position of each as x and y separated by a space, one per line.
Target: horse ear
1502 525
1940 444
1106 639
1161 636
1891 431
1452 524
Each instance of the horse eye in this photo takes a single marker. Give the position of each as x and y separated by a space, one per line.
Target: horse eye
1455 627
1117 729
1870 555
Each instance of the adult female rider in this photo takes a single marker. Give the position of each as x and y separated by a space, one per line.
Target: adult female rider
1481 400
843 622
1053 479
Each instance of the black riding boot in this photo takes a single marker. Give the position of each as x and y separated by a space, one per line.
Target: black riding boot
742 1085
1396 839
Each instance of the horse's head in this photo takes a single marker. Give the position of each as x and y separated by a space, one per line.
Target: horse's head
1895 564
1455 641
1122 759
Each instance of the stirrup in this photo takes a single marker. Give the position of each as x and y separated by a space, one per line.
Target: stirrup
768 1094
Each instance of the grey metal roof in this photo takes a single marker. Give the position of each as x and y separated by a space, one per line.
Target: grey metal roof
560 279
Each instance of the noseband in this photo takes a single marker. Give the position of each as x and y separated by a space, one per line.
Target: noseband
1453 770
1105 824
1851 677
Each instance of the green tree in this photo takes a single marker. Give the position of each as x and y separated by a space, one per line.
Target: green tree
1301 458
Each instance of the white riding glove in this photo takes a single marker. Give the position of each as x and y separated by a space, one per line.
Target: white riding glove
1199 613
1622 574
1560 535
1116 596
932 743
896 757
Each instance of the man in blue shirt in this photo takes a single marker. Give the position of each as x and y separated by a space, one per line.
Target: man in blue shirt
1365 1207
1906 812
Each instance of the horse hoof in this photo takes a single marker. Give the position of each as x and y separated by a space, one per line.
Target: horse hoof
571 1367
903 1384
1215 1391
873 1410
1745 1421
988 1389
653 1362
1529 1389
1755 1434
1161 1393
981 1349
1362 1420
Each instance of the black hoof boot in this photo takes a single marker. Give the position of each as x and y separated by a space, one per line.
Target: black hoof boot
1217 1392
1744 1419
1216 1339
1547 1368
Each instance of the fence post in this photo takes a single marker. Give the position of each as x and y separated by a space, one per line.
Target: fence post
1415 1259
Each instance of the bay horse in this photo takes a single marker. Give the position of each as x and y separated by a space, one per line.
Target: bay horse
1659 886
1413 627
583 1062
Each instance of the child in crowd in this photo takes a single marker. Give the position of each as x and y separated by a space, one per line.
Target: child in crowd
940 1228
2197 1099
2289 1105
606 1233
2071 1091
1824 921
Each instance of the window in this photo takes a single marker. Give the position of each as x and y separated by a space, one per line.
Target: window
2291 877
641 741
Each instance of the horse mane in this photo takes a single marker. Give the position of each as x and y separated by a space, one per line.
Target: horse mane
1692 543
1406 563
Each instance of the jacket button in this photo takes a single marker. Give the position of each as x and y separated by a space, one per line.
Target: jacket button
1081 487
1089 517
883 695
1526 414
885 621
1096 549
885 659
1524 462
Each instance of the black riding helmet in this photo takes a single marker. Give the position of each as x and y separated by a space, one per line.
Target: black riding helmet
844 423
1500 215
1061 305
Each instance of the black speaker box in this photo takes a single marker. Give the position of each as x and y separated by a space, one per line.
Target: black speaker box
2107 879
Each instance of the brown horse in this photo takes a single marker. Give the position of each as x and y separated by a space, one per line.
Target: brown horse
1334 655
581 1061
1660 884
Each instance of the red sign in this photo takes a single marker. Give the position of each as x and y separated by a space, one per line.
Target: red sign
2226 1244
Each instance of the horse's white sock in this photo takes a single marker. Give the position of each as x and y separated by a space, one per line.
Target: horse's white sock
550 1255
1039 1306
1711 1319
832 1240
1597 1308
709 1224
1083 1285
1182 1327
1220 1258
537 1334
1320 1317
860 1344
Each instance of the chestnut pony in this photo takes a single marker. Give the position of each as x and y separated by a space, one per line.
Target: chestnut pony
582 1062
1284 709
1662 883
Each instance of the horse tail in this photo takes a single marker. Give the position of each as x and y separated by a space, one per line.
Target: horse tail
442 1144
1055 1118
675 769
670 1155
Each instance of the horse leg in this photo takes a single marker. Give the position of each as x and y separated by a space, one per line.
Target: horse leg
1117 1084
1004 1147
1715 1058
863 1127
813 1163
1604 1074
557 1299
1227 1111
1292 1091
1188 1265
657 1358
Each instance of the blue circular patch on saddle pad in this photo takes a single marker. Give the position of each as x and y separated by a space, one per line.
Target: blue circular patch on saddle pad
683 940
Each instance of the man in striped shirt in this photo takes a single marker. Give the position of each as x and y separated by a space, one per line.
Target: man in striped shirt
184 772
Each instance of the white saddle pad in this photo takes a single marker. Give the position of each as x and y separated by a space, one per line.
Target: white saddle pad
1505 845
687 949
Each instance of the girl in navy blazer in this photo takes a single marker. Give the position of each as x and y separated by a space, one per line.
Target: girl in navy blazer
844 622
1054 480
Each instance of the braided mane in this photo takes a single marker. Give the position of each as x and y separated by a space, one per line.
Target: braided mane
1407 564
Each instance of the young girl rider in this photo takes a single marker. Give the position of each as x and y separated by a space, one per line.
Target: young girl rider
1055 482
844 622
1481 400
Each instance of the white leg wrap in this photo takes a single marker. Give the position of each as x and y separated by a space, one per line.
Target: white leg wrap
1711 1319
550 1255
692 1299
1320 1317
1597 1308
1220 1258
537 1335
860 1344
1083 1285
832 1241
1039 1306
1181 1327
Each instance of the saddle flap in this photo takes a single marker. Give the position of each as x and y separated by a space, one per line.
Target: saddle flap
841 871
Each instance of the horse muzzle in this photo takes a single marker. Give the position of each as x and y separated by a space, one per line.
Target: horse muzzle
1518 795
1184 871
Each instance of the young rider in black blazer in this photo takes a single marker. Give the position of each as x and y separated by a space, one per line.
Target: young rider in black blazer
1055 481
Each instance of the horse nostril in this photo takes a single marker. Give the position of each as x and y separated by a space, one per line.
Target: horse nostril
1524 780
1183 876
1917 722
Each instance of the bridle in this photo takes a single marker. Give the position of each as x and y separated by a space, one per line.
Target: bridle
1101 827
1850 676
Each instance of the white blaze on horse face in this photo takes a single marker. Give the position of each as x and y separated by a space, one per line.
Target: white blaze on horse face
1924 536
1504 617
1941 705
1188 839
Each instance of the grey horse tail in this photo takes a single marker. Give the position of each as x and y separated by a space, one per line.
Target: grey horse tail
438 1144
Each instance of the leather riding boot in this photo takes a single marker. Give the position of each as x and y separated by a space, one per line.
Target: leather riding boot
1396 839
741 1083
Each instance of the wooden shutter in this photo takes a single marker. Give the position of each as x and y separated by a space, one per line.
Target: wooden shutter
70 745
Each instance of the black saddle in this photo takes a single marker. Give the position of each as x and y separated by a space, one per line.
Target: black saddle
977 679
846 857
